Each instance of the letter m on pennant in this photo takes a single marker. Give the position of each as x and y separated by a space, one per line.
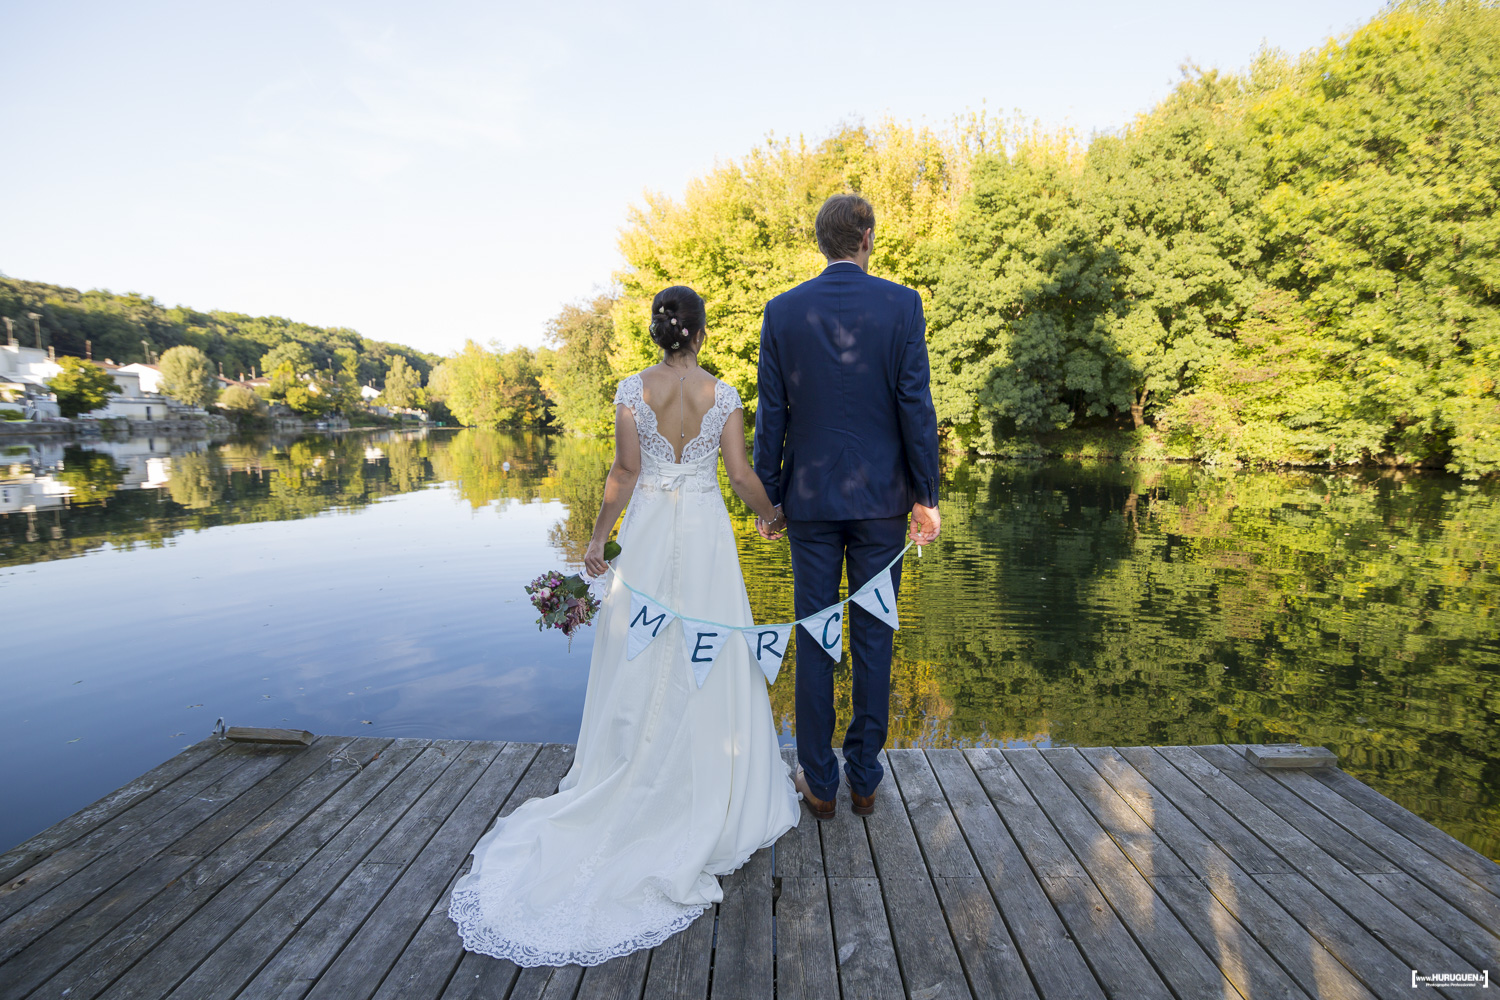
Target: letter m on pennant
647 619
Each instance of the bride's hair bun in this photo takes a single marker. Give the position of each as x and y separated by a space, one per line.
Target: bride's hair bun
677 316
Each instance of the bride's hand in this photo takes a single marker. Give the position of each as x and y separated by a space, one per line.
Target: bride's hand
593 558
773 530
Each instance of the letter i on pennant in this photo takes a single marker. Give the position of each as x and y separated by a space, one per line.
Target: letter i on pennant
703 643
879 598
647 620
767 647
827 630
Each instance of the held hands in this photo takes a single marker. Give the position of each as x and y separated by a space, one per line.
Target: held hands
926 522
773 530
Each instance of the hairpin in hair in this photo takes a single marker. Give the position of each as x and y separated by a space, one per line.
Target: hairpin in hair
674 320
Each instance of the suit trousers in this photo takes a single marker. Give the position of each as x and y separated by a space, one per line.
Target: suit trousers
820 552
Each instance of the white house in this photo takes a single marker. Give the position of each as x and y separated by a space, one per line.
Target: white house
133 402
149 375
24 372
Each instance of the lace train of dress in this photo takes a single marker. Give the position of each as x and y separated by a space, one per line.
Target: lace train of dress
672 784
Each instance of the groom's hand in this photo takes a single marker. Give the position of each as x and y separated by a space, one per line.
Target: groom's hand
772 531
926 522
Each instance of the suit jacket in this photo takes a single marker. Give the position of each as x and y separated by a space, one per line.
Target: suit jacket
844 426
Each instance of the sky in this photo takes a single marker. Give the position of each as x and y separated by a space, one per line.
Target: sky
430 173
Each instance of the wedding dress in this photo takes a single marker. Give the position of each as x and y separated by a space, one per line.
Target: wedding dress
672 784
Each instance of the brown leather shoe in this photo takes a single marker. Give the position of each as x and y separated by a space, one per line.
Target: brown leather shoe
864 805
820 809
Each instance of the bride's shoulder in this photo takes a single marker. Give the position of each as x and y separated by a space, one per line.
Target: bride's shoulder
629 390
727 396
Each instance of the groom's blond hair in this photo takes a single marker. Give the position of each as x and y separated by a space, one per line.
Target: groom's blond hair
841 224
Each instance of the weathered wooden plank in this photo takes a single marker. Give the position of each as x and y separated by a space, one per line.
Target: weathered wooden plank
1155 789
990 959
188 940
806 962
1178 957
1057 967
1272 801
1435 914
1385 973
1458 889
1233 950
866 957
989 956
326 942
436 956
924 945
1336 885
545 983
943 848
229 842
846 845
1116 960
277 737
480 977
799 852
1437 842
680 964
742 954
74 892
1270 756
1146 780
139 817
620 978
227 969
14 862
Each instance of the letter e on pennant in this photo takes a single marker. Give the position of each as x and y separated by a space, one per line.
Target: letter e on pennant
703 643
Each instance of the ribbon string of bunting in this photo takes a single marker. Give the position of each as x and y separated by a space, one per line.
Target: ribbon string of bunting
703 640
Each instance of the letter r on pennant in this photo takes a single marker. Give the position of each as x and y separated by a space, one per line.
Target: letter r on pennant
762 646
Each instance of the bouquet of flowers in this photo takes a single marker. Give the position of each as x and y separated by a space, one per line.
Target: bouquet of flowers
565 602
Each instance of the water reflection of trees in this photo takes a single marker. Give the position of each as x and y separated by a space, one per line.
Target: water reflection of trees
1077 603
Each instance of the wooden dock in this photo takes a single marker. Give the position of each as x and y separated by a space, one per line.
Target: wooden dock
1168 873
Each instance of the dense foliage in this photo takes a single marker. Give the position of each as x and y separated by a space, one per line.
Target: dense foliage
1292 265
131 327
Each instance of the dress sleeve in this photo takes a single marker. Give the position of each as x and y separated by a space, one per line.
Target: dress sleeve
731 399
628 392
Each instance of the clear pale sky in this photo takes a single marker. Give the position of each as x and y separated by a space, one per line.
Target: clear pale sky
425 173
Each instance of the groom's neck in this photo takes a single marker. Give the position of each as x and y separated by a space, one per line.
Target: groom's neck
862 261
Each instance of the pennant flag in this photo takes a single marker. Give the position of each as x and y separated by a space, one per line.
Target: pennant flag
827 630
879 598
767 646
703 642
647 620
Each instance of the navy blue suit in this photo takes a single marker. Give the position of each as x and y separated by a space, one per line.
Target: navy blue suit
846 442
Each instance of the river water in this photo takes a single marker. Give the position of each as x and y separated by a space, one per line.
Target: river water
370 584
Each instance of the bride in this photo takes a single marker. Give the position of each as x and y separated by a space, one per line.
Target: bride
672 784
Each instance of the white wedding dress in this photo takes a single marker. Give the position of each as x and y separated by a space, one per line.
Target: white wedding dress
672 784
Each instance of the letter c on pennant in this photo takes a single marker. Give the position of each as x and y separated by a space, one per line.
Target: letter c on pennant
836 618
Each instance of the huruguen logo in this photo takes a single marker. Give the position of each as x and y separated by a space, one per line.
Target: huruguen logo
1450 980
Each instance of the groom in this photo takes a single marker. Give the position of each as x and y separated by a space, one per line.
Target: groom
846 445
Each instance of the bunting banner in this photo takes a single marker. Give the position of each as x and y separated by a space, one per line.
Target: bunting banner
704 640
879 598
647 619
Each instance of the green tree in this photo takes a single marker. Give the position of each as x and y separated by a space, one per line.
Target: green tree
491 389
188 376
403 385
579 380
81 387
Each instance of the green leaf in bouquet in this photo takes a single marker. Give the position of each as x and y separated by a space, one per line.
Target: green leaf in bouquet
611 549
